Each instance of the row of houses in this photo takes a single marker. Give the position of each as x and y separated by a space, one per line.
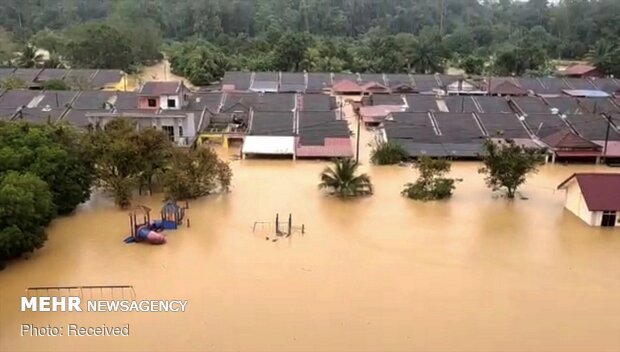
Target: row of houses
580 129
87 79
311 120
438 84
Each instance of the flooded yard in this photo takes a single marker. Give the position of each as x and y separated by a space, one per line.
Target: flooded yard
476 273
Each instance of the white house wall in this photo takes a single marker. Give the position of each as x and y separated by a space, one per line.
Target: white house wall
577 204
163 102
271 145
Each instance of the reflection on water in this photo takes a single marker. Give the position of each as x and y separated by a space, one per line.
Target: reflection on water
380 273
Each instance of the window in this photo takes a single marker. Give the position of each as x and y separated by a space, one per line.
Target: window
172 103
609 219
180 131
169 130
152 103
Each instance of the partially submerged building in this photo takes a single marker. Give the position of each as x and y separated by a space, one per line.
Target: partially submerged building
594 198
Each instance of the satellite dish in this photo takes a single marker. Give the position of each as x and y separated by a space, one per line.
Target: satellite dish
555 111
563 117
521 118
47 108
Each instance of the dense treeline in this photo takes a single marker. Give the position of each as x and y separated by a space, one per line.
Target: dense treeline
501 36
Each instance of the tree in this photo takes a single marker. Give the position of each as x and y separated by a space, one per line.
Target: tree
29 57
507 165
341 180
99 45
53 153
200 62
428 55
195 174
116 157
289 51
473 65
56 84
26 207
388 153
7 48
431 185
153 149
605 55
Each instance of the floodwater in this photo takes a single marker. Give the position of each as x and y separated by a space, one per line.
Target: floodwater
475 273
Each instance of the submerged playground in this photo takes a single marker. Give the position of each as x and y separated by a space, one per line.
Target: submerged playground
378 273
144 230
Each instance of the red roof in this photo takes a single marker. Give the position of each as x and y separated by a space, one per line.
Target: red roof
331 148
346 86
375 87
601 191
567 139
578 70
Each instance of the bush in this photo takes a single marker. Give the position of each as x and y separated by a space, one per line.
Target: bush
431 185
56 84
388 153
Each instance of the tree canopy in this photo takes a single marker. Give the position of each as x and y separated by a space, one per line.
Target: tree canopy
423 36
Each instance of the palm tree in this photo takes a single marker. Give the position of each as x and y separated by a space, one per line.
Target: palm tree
29 57
341 180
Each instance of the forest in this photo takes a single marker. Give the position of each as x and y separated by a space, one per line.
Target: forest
204 38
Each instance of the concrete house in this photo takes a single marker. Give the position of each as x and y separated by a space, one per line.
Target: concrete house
594 198
165 95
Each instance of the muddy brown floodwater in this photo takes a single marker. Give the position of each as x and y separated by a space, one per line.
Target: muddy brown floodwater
476 273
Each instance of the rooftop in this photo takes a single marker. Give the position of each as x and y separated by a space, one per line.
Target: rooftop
601 191
156 88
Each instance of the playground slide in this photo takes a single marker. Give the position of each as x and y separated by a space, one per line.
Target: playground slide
145 234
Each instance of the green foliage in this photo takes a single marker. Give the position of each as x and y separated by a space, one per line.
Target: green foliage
29 57
473 65
507 165
7 48
431 185
154 151
26 207
605 55
200 62
317 35
342 181
116 159
388 153
12 83
56 84
43 171
54 154
98 45
195 174
127 159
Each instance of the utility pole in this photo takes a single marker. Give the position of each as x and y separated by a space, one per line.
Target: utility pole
606 138
357 144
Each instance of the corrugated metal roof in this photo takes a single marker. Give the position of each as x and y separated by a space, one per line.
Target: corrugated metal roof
332 148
